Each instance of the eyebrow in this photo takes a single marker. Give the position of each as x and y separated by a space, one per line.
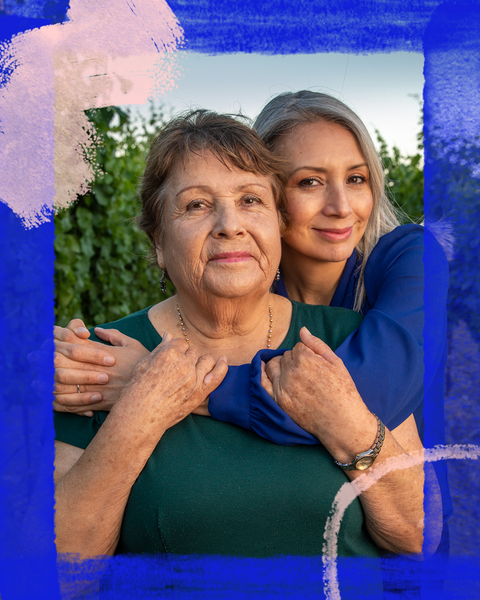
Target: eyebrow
322 170
208 189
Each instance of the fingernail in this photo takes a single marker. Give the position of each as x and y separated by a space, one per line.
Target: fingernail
102 378
82 330
307 330
224 358
95 398
208 378
108 360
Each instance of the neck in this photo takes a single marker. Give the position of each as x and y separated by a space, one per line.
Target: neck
226 327
309 280
221 319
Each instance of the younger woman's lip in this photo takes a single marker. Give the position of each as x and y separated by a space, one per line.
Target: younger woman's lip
336 230
335 234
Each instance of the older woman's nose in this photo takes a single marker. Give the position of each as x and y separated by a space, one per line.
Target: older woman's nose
337 203
228 223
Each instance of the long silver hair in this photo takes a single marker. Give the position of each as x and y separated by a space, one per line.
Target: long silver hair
288 111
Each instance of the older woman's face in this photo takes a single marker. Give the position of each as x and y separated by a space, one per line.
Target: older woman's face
221 230
329 198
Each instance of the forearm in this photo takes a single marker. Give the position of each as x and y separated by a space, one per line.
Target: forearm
392 496
91 497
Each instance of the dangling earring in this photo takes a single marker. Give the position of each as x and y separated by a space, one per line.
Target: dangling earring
163 285
277 276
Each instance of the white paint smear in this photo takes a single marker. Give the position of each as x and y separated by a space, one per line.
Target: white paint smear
349 491
111 52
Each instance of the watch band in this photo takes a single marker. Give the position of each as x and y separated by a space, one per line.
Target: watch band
364 460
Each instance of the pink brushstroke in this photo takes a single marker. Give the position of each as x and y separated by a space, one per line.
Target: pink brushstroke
111 52
351 490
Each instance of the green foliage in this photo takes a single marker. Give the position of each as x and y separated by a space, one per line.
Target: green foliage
404 178
101 273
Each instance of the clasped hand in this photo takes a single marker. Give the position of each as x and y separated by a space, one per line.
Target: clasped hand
312 385
100 372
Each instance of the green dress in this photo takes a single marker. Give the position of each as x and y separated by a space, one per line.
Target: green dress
215 488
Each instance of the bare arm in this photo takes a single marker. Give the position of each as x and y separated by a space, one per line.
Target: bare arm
338 417
92 486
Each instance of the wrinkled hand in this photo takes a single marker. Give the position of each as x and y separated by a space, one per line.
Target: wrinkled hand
312 385
84 364
170 383
100 371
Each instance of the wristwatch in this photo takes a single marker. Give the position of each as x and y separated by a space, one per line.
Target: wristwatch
366 459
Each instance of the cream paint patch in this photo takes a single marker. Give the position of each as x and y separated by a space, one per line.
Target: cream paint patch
111 52
351 490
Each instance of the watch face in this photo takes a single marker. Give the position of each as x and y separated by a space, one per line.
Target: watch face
363 463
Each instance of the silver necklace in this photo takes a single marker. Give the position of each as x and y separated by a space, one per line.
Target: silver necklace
270 327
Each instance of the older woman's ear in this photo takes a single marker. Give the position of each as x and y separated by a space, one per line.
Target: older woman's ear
159 253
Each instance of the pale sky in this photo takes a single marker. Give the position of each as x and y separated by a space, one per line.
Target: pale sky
377 86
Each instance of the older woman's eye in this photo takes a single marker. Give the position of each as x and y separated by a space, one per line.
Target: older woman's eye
196 204
250 200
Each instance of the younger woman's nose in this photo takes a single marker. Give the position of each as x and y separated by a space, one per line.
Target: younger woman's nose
337 203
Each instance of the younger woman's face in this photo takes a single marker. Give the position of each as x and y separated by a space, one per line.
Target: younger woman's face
329 198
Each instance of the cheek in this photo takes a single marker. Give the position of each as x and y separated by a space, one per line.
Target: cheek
180 247
364 208
269 241
299 211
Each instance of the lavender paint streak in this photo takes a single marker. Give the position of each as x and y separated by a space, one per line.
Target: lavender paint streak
451 95
105 55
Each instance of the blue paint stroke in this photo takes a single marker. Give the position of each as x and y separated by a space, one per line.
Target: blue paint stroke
26 296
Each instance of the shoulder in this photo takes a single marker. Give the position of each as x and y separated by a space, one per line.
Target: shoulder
401 259
402 237
137 326
407 245
128 321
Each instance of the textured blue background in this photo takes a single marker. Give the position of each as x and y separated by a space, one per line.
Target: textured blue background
447 34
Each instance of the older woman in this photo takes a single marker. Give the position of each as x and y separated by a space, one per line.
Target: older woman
152 477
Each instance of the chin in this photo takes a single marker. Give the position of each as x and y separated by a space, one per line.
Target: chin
333 255
235 287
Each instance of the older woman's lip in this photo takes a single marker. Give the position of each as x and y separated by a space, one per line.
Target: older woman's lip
231 257
335 234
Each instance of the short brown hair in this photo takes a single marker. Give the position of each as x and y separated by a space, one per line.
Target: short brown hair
197 132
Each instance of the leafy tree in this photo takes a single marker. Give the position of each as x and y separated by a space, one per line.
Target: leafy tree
101 270
404 177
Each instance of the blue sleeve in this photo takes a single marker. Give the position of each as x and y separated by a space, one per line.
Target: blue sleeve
385 356
241 400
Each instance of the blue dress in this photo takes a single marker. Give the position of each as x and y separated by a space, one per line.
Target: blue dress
384 355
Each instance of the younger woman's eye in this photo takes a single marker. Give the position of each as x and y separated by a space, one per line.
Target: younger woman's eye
309 182
357 179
